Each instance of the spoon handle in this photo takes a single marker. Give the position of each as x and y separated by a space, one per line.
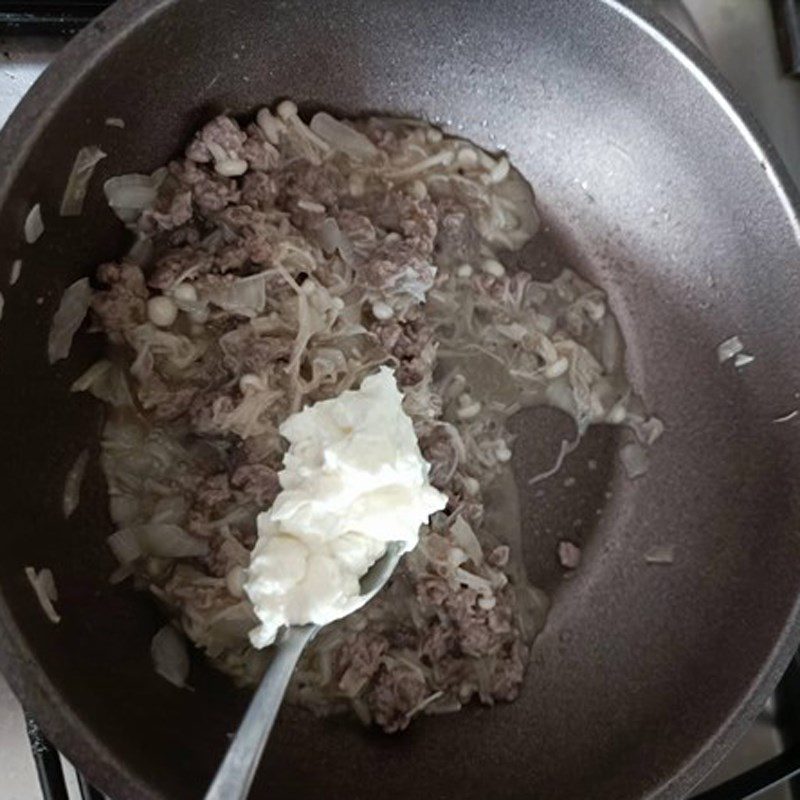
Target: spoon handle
238 768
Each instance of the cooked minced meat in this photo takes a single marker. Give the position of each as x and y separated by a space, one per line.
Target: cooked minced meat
278 264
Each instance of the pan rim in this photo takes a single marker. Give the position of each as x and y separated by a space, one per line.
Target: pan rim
35 113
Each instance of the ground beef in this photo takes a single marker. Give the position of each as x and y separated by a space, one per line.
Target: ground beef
439 450
400 262
396 692
121 304
210 192
225 553
222 135
172 210
231 258
178 263
509 670
569 554
438 641
396 266
432 590
396 212
358 660
301 180
410 341
255 232
359 231
258 152
214 491
259 190
258 481
165 402
245 350
205 410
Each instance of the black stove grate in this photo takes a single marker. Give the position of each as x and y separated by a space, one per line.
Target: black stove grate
47 18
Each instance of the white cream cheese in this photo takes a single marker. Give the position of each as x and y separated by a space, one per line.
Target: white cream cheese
353 480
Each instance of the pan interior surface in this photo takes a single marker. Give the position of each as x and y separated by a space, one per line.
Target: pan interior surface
648 187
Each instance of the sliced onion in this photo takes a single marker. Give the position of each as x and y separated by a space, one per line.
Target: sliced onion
72 484
612 346
332 239
168 541
115 122
129 195
342 137
154 539
170 510
465 538
107 382
125 546
647 431
141 251
246 296
660 554
471 581
48 584
44 586
124 509
34 227
231 625
78 182
634 459
68 318
170 657
729 348
16 271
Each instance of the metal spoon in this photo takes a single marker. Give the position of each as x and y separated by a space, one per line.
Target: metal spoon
238 768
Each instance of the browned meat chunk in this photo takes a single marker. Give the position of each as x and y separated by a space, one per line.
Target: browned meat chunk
172 210
122 304
181 263
358 660
210 192
259 190
218 139
300 180
569 554
257 481
359 231
396 693
258 152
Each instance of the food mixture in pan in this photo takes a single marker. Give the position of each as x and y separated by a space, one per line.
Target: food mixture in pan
281 262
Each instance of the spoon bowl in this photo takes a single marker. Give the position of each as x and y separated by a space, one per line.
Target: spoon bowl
238 768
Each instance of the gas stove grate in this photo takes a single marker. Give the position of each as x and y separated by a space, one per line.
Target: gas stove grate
44 17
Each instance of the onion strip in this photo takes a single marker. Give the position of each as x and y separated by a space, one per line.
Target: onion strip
78 182
34 227
72 484
46 593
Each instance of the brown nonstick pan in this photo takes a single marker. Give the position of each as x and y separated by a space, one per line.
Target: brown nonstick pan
653 183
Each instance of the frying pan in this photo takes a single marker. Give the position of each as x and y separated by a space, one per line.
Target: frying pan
652 182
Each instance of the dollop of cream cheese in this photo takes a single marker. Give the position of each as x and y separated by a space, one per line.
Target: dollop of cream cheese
353 481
